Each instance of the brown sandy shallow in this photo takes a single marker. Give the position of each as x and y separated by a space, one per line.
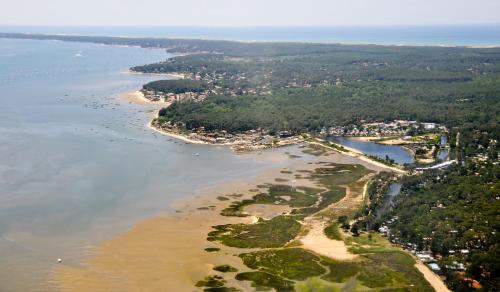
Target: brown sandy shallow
267 211
167 253
160 253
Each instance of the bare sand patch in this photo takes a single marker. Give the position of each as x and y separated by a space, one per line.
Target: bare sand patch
316 241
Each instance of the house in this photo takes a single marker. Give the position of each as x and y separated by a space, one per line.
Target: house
429 126
435 267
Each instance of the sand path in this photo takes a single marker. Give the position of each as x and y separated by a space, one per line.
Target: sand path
432 278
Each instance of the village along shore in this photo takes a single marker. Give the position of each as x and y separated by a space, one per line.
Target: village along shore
250 141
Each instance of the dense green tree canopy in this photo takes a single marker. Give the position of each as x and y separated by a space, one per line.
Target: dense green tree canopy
176 86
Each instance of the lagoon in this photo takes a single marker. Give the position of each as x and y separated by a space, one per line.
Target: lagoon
395 152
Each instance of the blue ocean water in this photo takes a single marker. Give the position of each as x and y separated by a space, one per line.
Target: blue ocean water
469 35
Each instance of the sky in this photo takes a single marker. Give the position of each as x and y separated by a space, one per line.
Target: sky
237 13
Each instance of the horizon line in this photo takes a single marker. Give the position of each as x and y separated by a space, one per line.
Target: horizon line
255 26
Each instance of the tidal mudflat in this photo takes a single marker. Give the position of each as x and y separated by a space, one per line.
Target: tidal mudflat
216 244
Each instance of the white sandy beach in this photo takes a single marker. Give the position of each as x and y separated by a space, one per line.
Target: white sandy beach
137 97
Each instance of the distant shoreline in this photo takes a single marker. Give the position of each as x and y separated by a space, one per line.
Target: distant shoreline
173 75
87 38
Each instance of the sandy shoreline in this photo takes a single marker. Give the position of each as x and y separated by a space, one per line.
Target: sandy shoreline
350 151
137 97
176 136
381 140
171 75
181 137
